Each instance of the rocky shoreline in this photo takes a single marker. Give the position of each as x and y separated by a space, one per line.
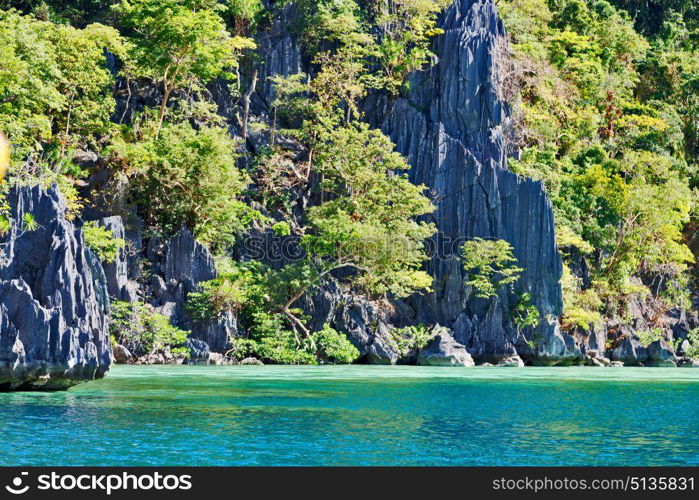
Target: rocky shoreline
442 351
451 126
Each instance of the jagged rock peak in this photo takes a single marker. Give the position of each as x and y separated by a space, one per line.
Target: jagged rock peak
54 303
450 127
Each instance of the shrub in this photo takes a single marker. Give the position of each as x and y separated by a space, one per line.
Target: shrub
273 343
646 337
186 177
143 331
334 347
581 307
490 265
229 292
524 313
101 241
693 339
411 338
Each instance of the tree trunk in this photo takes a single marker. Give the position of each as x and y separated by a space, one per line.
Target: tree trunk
246 104
163 107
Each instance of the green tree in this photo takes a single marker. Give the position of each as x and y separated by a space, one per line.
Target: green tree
143 331
366 221
55 87
179 43
185 177
407 28
609 127
490 266
244 15
55 97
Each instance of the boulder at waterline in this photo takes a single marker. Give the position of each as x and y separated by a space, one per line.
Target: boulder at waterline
512 362
199 352
629 351
443 350
122 356
687 362
660 353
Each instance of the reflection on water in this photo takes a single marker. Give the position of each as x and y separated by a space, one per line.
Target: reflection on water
359 416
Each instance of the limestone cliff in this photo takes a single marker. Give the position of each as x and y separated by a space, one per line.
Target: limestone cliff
450 127
53 298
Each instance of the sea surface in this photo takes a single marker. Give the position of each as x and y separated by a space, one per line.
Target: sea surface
359 415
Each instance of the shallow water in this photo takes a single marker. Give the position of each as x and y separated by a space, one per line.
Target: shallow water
359 415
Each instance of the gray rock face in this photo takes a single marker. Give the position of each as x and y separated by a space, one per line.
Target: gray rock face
119 285
199 352
188 261
660 353
280 51
361 322
54 302
443 350
450 127
629 351
179 266
365 324
217 333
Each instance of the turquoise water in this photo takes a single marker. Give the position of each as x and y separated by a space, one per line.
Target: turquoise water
359 415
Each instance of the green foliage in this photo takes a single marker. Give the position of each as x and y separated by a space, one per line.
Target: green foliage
257 294
366 222
181 43
653 16
186 177
608 123
101 241
581 307
693 339
55 96
60 12
142 331
396 35
411 339
605 100
273 342
5 225
29 223
490 266
370 224
55 87
407 28
647 337
238 287
334 347
524 313
281 228
244 15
